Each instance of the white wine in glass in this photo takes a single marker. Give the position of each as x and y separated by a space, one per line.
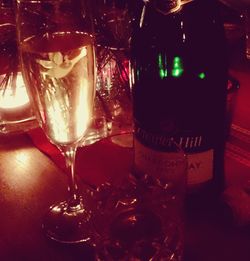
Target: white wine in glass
58 63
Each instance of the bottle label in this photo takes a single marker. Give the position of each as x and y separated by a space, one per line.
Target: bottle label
151 148
200 167
167 6
166 166
158 163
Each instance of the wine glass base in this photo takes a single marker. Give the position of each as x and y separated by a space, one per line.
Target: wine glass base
65 225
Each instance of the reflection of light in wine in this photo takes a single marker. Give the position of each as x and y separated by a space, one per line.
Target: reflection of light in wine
58 121
10 98
83 112
63 118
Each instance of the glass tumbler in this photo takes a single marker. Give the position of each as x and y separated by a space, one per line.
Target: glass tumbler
144 216
113 21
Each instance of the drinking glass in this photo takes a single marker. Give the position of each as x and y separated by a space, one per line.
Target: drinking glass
58 63
113 20
144 214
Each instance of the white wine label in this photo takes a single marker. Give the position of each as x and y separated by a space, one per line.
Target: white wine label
200 167
167 166
161 164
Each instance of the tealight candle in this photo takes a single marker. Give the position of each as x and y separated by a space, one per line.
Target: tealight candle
15 108
14 101
16 114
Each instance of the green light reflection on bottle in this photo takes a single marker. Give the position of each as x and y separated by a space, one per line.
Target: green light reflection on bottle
163 72
177 70
202 75
138 74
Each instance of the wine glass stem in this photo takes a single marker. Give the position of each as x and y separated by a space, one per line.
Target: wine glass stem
69 153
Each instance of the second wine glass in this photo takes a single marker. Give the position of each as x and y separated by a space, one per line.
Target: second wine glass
58 63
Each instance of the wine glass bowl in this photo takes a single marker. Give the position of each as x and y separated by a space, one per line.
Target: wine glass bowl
57 53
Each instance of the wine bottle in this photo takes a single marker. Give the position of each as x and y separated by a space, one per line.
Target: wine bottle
179 82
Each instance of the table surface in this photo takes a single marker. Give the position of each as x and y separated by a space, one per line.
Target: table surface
30 182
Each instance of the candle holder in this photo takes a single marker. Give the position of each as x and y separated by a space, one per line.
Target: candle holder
16 115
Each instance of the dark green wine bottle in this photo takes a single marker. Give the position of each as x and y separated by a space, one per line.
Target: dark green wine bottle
179 85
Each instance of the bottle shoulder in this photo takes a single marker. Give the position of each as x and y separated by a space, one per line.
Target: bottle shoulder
191 16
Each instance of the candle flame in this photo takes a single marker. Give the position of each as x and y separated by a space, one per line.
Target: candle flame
11 99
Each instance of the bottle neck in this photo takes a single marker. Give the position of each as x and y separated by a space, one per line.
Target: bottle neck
165 6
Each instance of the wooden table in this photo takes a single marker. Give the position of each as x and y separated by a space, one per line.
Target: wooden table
30 182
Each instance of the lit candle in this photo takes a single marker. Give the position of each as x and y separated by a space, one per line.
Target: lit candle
13 99
14 104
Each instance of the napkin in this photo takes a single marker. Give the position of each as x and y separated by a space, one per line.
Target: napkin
101 162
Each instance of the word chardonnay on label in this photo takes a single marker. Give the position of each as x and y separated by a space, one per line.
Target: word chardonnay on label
179 77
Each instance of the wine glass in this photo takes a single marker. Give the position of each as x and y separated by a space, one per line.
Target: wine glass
113 19
58 63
